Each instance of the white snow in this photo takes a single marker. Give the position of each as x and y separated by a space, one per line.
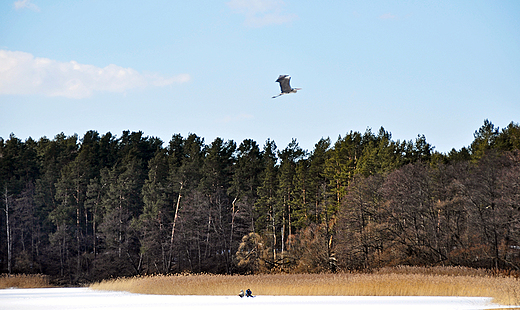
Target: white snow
84 298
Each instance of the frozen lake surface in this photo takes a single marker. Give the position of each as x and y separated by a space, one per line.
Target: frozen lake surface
84 298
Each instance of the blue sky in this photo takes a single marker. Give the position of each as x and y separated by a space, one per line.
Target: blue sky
438 68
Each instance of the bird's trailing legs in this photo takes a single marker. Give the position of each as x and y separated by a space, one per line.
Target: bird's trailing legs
293 90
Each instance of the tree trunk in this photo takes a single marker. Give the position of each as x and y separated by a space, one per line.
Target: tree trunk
8 231
233 214
170 254
274 234
78 238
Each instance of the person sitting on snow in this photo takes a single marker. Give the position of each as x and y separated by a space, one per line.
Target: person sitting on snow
241 294
249 293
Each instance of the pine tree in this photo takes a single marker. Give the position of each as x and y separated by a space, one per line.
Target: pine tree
154 222
216 179
265 206
318 189
242 190
485 139
286 199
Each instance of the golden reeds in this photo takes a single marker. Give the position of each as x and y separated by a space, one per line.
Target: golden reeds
24 281
389 282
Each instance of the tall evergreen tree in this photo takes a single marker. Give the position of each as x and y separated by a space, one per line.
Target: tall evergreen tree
216 179
318 191
242 190
186 157
265 207
154 222
286 199
485 138
122 203
380 154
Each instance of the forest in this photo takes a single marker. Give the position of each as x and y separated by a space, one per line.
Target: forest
82 209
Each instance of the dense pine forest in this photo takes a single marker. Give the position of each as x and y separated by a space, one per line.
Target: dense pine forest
87 208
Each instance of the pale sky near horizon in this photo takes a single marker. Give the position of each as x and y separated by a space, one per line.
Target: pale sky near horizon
438 68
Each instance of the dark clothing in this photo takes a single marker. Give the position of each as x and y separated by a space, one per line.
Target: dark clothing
249 293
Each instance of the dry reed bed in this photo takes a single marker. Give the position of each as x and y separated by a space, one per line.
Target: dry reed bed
503 290
24 281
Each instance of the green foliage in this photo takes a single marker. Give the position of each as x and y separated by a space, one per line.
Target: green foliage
485 139
100 206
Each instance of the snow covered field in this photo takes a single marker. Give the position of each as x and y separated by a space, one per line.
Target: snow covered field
84 298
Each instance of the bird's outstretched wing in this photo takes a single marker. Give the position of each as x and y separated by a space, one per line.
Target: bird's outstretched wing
284 81
281 77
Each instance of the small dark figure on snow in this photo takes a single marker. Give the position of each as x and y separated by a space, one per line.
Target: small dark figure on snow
241 294
249 293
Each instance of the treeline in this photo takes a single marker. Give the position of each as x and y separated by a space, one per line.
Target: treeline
100 206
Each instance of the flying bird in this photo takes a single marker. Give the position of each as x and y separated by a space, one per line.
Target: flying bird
284 81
